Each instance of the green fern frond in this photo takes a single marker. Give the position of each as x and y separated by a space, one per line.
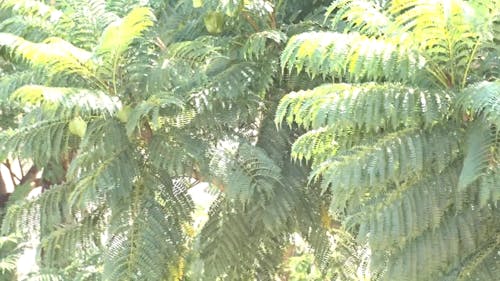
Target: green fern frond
43 141
72 238
194 52
31 28
12 81
246 172
483 101
133 249
236 245
256 45
366 17
455 239
119 35
32 8
483 265
151 108
406 212
24 217
393 158
9 254
352 56
368 107
317 144
179 158
443 33
123 7
69 101
478 147
105 165
56 54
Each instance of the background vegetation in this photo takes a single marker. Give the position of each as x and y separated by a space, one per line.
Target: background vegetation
341 140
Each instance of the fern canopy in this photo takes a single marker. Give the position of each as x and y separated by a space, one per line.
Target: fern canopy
327 140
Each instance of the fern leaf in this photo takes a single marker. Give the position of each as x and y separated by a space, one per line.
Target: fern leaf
71 101
256 45
436 251
366 17
483 100
56 54
118 36
366 107
395 157
350 56
390 221
133 252
477 158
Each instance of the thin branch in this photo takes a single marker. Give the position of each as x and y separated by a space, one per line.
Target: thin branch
13 176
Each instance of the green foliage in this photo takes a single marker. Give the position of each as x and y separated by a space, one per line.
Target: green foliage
391 122
123 105
409 166
8 258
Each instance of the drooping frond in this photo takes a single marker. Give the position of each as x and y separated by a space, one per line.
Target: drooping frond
68 101
455 239
25 215
257 44
484 264
194 52
118 36
367 107
390 221
350 56
55 54
479 153
42 140
105 166
483 100
9 254
393 158
366 17
444 33
147 236
249 174
74 237
12 81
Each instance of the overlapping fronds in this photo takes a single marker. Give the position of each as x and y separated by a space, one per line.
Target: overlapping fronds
105 166
69 101
257 43
41 140
488 189
457 237
445 35
351 56
55 54
9 253
369 107
12 81
483 101
366 17
409 167
79 236
25 215
148 239
248 174
389 221
393 158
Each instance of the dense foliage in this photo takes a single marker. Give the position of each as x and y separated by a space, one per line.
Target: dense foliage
369 130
